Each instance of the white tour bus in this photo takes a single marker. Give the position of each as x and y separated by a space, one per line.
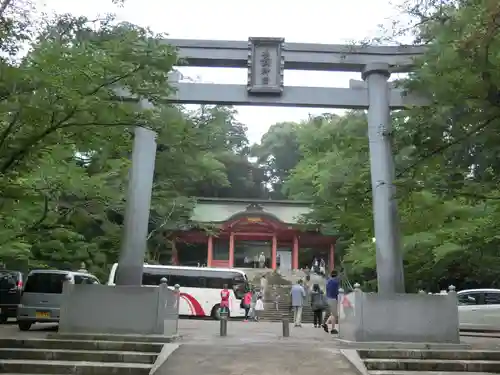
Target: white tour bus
200 287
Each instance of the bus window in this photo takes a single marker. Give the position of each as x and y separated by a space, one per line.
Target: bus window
216 282
239 288
202 282
152 279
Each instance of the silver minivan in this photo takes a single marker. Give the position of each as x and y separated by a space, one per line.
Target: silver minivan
42 294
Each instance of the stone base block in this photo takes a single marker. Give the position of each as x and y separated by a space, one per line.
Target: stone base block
104 309
415 318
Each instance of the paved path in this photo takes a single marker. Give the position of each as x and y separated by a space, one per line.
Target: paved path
207 331
254 348
10 330
258 348
269 359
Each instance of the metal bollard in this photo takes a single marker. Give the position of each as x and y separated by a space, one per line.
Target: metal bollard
286 325
223 323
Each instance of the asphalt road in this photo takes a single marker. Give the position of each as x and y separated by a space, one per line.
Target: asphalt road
10 329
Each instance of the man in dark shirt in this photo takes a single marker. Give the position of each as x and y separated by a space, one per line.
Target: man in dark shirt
332 295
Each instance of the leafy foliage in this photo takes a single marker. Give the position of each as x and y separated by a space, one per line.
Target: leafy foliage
66 134
446 158
277 154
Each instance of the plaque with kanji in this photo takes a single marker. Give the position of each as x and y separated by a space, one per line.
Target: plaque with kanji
265 66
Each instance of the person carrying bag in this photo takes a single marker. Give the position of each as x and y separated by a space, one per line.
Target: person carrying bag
318 305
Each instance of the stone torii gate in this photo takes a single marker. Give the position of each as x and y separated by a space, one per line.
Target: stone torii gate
389 315
266 60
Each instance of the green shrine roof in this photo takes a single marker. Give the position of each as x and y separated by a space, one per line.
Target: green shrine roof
217 210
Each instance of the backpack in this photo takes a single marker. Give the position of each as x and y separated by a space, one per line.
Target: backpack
323 301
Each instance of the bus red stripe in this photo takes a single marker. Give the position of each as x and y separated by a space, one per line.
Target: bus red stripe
198 310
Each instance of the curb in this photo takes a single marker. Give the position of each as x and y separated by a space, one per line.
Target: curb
354 359
166 352
485 334
153 339
389 345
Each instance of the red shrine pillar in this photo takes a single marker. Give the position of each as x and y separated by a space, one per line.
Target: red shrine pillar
295 253
231 251
274 250
331 257
210 250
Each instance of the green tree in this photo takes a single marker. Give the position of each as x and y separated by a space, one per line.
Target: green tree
277 154
439 232
65 137
446 156
226 139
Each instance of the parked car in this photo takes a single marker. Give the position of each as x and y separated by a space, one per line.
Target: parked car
11 285
479 307
42 294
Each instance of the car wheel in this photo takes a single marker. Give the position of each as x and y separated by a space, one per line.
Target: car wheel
216 312
3 318
24 326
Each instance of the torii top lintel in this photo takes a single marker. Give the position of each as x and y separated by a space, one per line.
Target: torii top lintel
298 56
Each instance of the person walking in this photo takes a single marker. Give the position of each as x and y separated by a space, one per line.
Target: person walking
322 267
252 314
245 304
224 299
315 266
276 298
262 260
259 308
332 296
298 295
318 304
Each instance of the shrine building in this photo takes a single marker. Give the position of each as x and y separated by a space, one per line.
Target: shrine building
233 232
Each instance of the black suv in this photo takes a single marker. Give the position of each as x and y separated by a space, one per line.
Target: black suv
11 286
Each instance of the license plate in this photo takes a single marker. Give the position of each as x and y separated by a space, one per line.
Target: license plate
42 315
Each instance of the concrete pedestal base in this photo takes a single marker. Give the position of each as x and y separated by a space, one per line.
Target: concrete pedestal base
103 309
415 318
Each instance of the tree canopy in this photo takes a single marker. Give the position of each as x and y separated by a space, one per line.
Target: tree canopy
66 134
445 154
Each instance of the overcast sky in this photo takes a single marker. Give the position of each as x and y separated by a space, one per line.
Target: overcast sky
312 21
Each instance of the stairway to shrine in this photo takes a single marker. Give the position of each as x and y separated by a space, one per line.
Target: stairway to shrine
272 314
254 274
280 282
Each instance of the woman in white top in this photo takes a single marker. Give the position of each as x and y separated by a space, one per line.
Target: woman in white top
259 308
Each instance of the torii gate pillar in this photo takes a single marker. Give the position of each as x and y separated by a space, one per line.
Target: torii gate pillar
140 187
390 274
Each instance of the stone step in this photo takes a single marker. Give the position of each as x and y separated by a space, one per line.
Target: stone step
377 372
286 311
113 337
78 355
488 355
51 344
24 366
275 316
401 364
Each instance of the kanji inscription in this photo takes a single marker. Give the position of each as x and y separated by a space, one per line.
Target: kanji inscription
265 70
